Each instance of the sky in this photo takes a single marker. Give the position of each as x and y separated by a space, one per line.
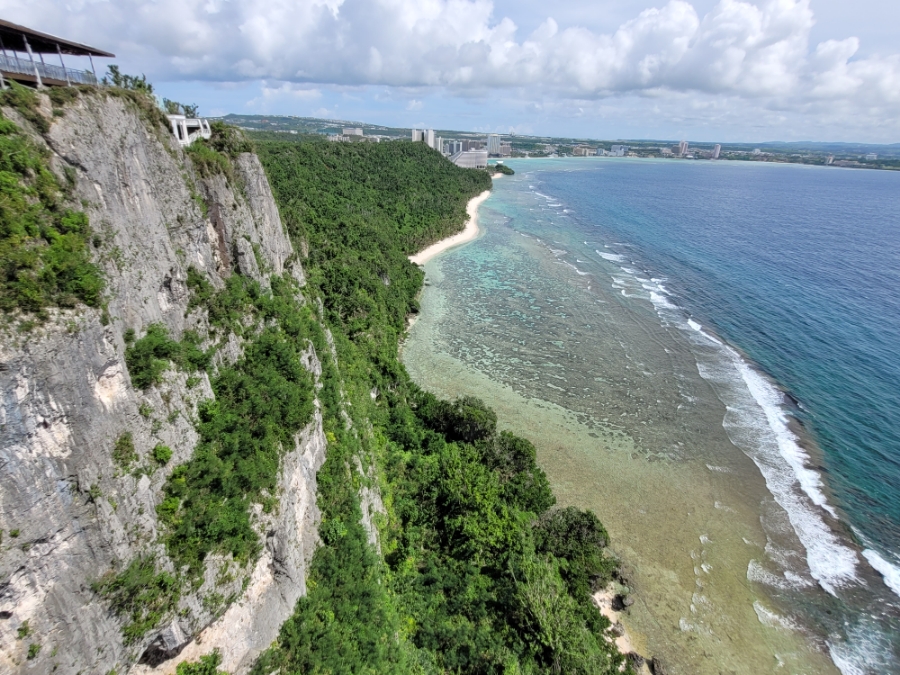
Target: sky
701 70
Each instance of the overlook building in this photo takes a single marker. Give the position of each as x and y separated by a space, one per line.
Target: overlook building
22 52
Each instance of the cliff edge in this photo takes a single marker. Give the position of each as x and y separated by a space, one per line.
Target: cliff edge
87 455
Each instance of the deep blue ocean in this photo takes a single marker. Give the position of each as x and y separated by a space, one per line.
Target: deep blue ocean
796 267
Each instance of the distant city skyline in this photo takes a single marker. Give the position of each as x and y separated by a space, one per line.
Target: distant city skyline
731 71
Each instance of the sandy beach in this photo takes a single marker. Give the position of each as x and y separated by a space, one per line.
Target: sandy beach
604 600
468 234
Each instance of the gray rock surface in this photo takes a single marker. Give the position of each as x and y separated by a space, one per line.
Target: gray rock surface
66 396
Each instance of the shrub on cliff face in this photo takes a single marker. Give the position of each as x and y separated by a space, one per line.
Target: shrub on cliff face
141 595
215 155
207 665
261 402
44 255
149 357
123 451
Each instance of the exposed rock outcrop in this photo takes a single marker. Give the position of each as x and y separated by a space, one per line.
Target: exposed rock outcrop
66 397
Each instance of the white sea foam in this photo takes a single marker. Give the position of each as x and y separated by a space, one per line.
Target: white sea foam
797 580
580 273
612 257
756 422
866 650
770 400
697 328
844 659
769 618
758 574
718 469
761 430
889 572
659 300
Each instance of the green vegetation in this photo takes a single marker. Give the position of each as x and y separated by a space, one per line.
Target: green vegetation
116 78
479 575
33 650
149 357
23 631
123 451
141 594
162 454
175 108
44 253
502 168
208 665
360 209
261 402
214 156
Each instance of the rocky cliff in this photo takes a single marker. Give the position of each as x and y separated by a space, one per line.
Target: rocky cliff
69 512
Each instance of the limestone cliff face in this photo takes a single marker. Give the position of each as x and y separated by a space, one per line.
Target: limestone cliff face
68 514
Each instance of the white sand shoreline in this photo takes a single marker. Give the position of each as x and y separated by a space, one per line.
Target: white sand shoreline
468 234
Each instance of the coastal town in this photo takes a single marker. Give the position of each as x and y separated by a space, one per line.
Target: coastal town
474 149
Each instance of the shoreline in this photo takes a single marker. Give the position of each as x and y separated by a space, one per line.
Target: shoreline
604 600
685 599
468 234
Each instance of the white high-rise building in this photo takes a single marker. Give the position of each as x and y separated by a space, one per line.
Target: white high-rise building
493 144
618 150
716 151
426 136
683 148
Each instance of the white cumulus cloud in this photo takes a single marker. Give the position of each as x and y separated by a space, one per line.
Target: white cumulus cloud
743 51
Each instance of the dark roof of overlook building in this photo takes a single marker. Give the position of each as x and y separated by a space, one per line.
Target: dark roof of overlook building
13 37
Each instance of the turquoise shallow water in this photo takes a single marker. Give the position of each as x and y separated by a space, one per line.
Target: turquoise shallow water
668 306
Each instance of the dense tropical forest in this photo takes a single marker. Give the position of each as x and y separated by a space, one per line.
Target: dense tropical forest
477 572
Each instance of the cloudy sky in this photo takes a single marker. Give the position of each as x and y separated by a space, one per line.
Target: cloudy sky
753 70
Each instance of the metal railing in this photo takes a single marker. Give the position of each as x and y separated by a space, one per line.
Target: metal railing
9 64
